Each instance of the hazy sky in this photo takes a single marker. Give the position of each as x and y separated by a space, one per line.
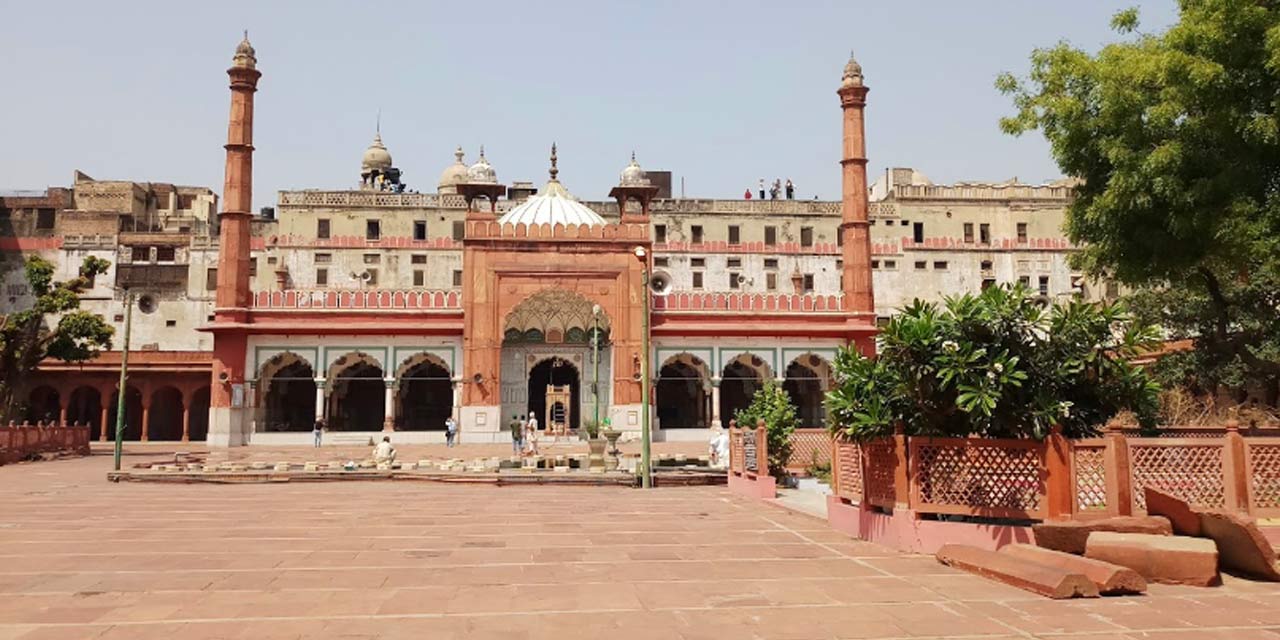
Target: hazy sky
721 93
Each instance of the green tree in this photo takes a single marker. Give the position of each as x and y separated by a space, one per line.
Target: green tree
1175 140
772 404
54 327
999 364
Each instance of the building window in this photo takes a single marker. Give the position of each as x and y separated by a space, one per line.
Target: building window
917 232
770 236
660 233
839 237
987 283
457 277
806 236
1024 281
1022 232
373 277
322 228
771 281
661 262
1044 285
186 201
322 277
904 223
875 264
922 264
418 258
372 230
697 279
890 264
210 279
166 254
170 323
419 277
808 283
771 263
141 254
986 265
696 232
271 259
733 263
1113 289
253 267
940 265
45 219
459 229
735 234
419 229
968 232
984 233
372 258
733 280
697 262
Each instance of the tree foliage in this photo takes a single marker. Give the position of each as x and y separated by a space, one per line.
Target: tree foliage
999 364
1175 139
54 327
773 405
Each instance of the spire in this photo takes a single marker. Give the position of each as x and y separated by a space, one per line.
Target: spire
377 125
457 154
554 171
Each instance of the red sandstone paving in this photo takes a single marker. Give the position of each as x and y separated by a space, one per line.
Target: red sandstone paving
82 558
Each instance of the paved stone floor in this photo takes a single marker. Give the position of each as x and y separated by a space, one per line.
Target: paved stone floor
81 558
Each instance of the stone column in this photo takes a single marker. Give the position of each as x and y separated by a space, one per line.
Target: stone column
319 398
186 414
146 416
715 402
105 403
389 417
62 411
457 402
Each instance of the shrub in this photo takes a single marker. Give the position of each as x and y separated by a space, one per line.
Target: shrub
772 404
999 364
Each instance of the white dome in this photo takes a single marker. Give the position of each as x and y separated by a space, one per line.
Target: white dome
453 175
633 175
555 205
376 156
482 172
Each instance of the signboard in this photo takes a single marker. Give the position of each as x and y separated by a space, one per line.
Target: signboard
749 450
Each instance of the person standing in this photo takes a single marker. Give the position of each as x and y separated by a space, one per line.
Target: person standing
791 190
531 434
517 435
762 188
747 195
450 431
317 431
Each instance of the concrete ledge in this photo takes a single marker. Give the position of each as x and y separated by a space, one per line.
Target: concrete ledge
904 531
1111 579
1053 582
1164 559
753 485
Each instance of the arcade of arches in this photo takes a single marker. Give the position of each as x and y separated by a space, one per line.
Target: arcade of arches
173 408
355 395
688 397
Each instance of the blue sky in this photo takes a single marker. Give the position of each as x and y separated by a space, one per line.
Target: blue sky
720 93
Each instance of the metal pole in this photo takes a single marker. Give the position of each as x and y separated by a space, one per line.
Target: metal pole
595 383
124 376
646 473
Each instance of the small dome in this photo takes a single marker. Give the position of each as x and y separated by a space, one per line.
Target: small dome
555 205
482 172
633 175
453 175
245 56
852 73
376 156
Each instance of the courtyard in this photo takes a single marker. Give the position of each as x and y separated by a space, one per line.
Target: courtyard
84 558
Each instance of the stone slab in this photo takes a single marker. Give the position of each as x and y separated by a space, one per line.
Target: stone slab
1052 582
1112 579
1180 514
1070 536
1241 545
1163 559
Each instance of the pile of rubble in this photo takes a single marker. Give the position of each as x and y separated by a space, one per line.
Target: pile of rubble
1175 543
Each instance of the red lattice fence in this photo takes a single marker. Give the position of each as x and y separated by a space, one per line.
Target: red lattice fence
1089 475
17 441
1191 469
1262 459
809 448
846 471
973 476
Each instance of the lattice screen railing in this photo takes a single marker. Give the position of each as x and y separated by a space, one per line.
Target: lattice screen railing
1089 475
997 478
809 447
1191 471
847 471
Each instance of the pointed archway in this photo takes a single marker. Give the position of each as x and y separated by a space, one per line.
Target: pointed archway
682 400
425 395
359 392
290 398
559 372
741 378
807 380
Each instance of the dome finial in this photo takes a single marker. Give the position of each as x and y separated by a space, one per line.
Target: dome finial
457 154
245 57
554 170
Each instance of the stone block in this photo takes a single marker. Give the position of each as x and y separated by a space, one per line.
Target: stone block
425 464
1185 521
311 466
1241 545
1070 536
282 466
599 470
1164 559
384 466
562 469
335 466
258 465
1052 582
1112 579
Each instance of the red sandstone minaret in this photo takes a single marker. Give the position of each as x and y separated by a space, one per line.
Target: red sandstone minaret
855 231
237 190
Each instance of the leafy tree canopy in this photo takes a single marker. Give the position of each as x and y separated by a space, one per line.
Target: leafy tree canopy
998 364
54 326
772 404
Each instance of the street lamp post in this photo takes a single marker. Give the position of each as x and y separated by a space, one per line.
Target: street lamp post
595 348
646 472
124 377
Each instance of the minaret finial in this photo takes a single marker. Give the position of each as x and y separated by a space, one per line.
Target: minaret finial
554 171
377 127
246 35
633 155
